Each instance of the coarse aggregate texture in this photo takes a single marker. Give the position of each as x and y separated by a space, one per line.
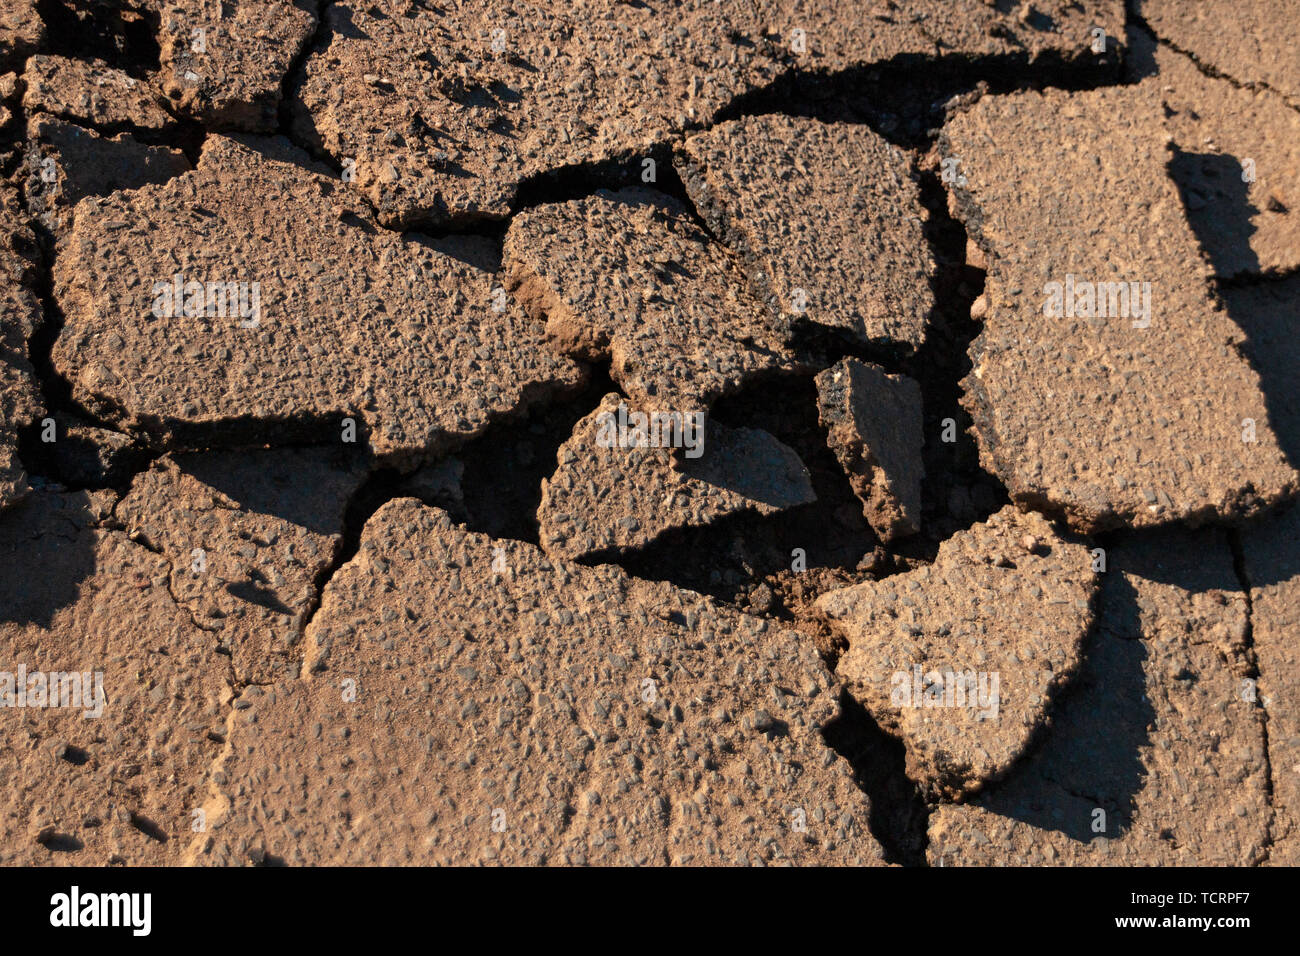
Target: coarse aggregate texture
1099 411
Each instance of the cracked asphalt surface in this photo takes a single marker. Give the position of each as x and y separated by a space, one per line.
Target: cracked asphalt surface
671 433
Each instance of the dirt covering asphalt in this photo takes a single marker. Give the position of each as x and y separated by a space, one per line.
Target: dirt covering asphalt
671 433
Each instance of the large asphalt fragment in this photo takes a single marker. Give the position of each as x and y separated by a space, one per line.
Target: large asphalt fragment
92 93
874 424
224 64
1090 390
1156 756
248 535
281 330
1272 564
610 493
1236 161
1248 41
65 163
111 700
826 219
468 700
630 277
503 92
20 314
961 659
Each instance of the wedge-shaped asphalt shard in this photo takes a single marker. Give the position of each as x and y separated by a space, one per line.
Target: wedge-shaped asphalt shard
20 314
1272 566
825 218
627 276
194 313
225 64
1236 162
511 709
619 483
1107 382
961 659
113 699
1248 41
874 424
65 164
92 93
248 535
1156 756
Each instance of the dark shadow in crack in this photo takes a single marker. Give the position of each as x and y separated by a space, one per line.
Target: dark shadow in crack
1219 210
97 29
1092 757
898 813
1269 313
47 549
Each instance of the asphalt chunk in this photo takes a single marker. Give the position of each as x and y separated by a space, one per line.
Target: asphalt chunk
92 93
282 330
225 65
247 535
467 700
627 276
825 217
1156 757
961 659
874 424
65 163
609 494
105 753
1088 388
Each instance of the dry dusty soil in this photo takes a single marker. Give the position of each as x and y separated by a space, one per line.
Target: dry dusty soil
730 432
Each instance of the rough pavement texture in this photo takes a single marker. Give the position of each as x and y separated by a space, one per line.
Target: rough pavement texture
421 246
874 425
628 276
120 787
1249 41
92 93
1157 734
1224 134
230 76
397 332
519 700
505 92
65 164
826 219
1271 561
607 498
1120 431
961 659
247 535
20 314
